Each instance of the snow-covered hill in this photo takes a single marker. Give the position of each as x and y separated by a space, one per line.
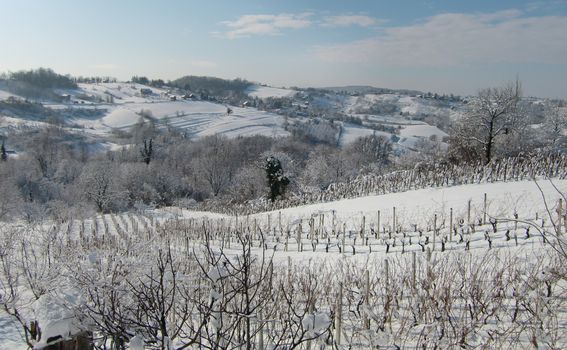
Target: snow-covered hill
354 234
262 91
123 104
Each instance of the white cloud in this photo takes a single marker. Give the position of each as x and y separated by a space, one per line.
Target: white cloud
249 25
350 20
460 39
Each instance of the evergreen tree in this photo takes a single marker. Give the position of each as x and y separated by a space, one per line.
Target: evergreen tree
147 151
276 179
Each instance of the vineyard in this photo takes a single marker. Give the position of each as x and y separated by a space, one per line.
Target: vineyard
423 175
464 278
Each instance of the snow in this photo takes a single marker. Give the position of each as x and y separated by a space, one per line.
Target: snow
351 132
504 199
10 338
422 131
5 94
197 118
55 316
412 207
136 343
268 91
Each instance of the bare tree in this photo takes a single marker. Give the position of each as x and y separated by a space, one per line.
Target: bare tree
98 185
491 115
554 124
215 163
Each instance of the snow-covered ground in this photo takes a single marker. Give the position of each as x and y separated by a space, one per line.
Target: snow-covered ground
425 131
261 91
197 118
123 104
351 132
428 209
418 206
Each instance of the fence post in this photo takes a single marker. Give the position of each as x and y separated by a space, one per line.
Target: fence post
311 228
260 331
413 269
394 219
334 220
434 230
338 315
363 227
559 215
451 225
469 217
378 225
344 237
484 211
289 271
299 229
367 299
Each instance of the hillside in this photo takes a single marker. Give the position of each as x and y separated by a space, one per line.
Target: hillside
424 232
99 109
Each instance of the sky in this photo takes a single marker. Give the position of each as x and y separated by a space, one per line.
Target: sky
447 46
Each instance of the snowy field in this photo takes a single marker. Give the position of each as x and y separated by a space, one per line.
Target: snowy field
267 91
410 243
197 118
123 105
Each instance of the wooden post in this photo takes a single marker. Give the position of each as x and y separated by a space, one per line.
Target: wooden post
394 219
559 215
434 230
311 228
451 225
386 276
378 225
469 217
260 331
367 298
334 223
299 229
363 227
413 268
289 271
344 237
338 315
484 211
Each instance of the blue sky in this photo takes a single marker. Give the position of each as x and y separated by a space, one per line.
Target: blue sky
442 46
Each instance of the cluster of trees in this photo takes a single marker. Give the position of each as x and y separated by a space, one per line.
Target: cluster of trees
95 80
497 124
215 89
43 78
59 174
145 81
37 83
30 110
